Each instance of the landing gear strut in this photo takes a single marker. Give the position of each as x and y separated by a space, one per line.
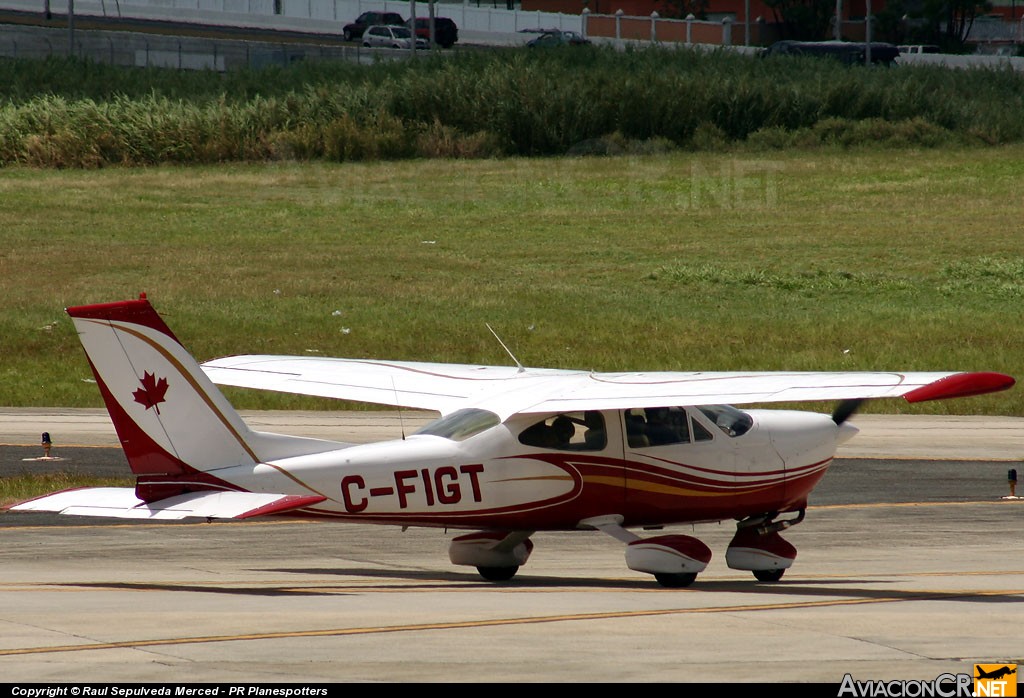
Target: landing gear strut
675 561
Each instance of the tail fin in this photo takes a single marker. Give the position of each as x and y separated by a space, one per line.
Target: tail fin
170 418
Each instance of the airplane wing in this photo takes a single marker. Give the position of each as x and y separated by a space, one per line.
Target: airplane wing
428 386
508 390
121 502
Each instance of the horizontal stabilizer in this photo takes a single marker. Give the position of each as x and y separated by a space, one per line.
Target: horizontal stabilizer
121 503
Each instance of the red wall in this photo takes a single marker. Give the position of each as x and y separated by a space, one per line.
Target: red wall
642 8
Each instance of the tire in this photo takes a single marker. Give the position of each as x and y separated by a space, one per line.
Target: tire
769 575
675 580
498 574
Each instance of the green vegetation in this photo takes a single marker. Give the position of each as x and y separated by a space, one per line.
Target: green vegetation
60 113
18 488
820 259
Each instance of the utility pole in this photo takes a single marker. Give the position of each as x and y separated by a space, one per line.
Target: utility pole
71 28
867 32
412 28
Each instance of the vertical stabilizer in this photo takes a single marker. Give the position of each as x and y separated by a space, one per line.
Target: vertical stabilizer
170 418
168 415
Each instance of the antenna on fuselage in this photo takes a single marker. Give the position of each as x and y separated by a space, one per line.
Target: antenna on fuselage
401 422
509 351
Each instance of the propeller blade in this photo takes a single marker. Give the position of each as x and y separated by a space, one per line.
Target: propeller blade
846 409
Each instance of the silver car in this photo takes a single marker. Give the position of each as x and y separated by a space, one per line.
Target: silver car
390 37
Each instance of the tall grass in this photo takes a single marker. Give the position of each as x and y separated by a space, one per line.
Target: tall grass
64 113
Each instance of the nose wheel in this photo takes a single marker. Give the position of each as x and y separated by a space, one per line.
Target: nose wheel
758 547
768 575
498 574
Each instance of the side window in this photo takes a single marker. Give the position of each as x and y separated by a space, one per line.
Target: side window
572 431
700 433
662 426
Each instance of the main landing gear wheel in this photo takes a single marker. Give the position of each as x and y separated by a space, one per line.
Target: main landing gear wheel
675 580
497 574
769 575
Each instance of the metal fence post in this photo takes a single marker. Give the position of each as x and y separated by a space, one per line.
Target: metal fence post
586 16
618 24
654 27
689 28
727 31
746 22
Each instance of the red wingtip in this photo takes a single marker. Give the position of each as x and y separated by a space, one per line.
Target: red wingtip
961 385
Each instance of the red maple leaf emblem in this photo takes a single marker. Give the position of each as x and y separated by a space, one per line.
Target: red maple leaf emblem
152 391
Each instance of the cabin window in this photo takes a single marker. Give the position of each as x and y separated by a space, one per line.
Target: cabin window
660 426
571 431
461 424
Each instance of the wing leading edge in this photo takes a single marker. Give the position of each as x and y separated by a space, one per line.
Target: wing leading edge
506 390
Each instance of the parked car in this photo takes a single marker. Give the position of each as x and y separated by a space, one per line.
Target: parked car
446 33
354 31
558 38
390 36
847 52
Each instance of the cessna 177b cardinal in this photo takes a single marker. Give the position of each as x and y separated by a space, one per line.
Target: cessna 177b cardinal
515 450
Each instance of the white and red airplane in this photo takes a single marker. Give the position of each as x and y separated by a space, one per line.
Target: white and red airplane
515 450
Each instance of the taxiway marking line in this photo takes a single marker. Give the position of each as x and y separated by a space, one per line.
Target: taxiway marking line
462 625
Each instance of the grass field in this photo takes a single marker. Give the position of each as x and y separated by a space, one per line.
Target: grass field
18 488
818 259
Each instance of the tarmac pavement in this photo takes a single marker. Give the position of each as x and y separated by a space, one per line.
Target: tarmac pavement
907 569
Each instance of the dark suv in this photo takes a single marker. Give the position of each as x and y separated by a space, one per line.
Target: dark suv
354 31
445 31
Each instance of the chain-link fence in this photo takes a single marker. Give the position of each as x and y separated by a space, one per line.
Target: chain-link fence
189 53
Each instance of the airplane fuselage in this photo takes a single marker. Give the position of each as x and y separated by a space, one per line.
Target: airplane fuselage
493 480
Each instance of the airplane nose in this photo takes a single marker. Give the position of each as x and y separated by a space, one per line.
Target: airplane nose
846 432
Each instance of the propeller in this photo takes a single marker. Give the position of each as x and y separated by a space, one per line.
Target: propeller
846 409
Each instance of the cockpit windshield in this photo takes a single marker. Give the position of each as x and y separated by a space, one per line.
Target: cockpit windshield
461 424
730 420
